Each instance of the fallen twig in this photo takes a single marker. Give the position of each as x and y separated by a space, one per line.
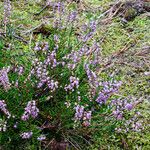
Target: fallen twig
20 39
31 30
38 13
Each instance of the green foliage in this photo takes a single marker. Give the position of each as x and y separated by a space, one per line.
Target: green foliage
101 134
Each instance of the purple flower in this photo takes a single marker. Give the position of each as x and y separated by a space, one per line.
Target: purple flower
19 70
74 82
41 72
93 26
30 110
26 135
41 138
129 106
4 80
89 35
72 16
16 125
87 118
84 27
108 89
79 112
41 46
4 109
56 38
58 6
7 11
117 114
92 77
102 98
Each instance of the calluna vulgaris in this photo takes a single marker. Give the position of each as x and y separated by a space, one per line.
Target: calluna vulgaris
62 72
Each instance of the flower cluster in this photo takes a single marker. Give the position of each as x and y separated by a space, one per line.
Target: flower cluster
41 138
122 111
72 16
74 83
4 80
26 135
108 89
30 110
58 7
79 112
41 46
121 106
51 59
92 77
134 123
76 56
96 52
85 51
82 115
58 11
92 29
87 118
19 70
41 72
7 11
4 109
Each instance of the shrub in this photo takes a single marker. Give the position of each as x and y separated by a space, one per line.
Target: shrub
57 96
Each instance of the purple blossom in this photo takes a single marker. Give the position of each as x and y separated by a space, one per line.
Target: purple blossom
4 109
37 47
7 11
72 16
30 110
19 70
58 10
108 89
87 118
117 114
74 83
41 46
16 125
79 112
89 35
102 98
96 54
92 77
76 56
137 126
26 135
58 6
56 38
41 138
93 26
40 70
134 123
51 59
82 115
129 106
84 27
4 80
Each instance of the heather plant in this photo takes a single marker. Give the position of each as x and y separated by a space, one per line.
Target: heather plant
57 95
7 14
